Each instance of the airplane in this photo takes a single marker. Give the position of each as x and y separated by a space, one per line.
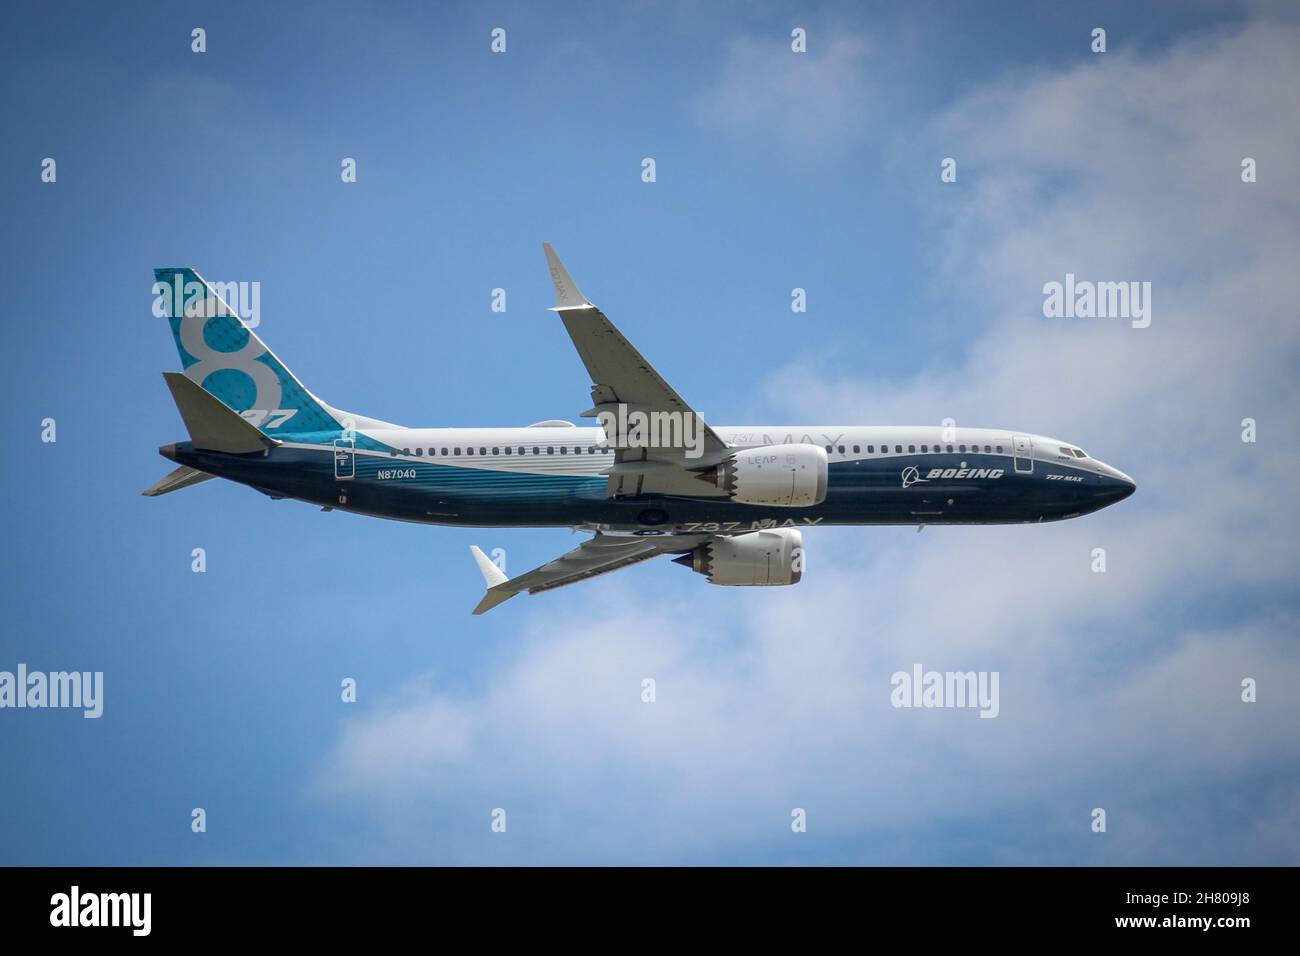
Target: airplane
651 478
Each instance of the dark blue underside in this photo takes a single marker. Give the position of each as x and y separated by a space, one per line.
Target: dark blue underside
867 491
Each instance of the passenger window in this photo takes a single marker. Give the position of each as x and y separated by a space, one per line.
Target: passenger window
961 448
829 449
509 450
482 450
563 450
898 449
469 451
987 449
536 450
406 451
591 449
911 449
871 449
550 449
857 450
999 449
496 451
456 451
841 449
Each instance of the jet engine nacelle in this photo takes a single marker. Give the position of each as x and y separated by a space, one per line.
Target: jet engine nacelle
759 558
782 476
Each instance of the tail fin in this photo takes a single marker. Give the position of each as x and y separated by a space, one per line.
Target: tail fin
223 355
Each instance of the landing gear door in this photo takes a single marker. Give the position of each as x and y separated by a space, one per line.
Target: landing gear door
345 458
1023 450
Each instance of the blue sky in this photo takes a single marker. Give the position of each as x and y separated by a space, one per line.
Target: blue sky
774 171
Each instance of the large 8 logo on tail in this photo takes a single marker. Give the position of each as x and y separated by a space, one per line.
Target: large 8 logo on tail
223 355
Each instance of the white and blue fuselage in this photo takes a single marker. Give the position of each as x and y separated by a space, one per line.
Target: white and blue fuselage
554 475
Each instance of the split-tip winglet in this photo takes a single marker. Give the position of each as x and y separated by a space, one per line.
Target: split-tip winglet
567 293
493 577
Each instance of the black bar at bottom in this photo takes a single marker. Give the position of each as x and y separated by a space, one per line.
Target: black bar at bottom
607 905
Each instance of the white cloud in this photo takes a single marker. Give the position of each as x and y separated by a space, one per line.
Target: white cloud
1115 692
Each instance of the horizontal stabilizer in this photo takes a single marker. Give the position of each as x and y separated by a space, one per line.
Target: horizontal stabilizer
182 477
212 425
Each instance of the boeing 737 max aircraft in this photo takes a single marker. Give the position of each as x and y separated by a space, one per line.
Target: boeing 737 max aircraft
652 478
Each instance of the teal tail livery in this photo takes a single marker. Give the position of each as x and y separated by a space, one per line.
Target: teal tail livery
221 354
654 478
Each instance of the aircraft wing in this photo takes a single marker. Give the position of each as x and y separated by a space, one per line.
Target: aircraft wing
624 383
598 555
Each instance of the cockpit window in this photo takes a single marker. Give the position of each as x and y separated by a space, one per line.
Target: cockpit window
1080 453
1066 452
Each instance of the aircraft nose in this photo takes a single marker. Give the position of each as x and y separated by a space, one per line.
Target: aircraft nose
1116 486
